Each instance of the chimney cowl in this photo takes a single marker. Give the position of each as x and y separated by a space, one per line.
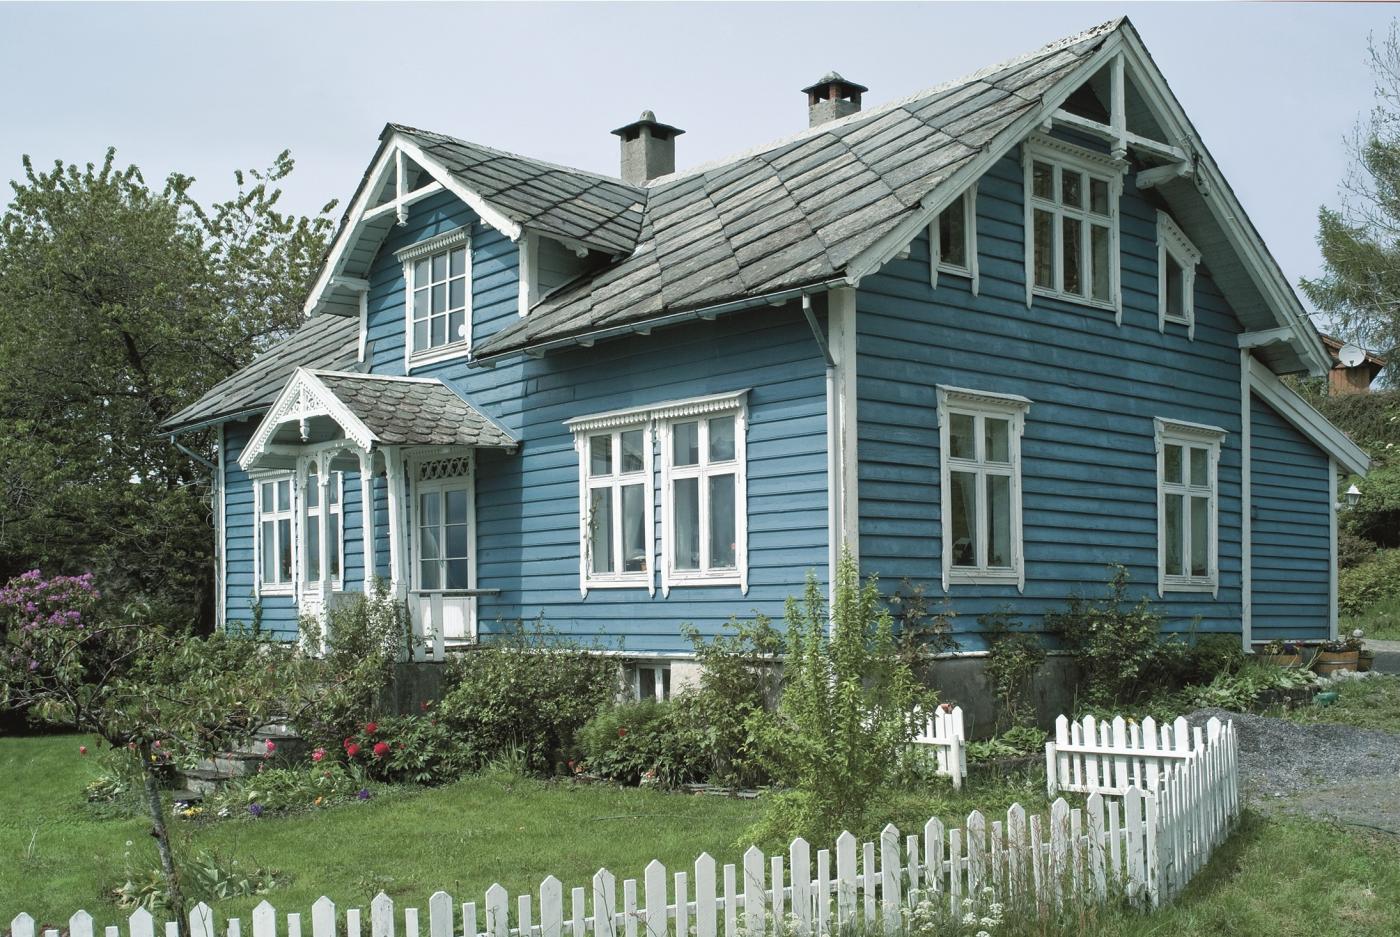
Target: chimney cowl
648 149
832 97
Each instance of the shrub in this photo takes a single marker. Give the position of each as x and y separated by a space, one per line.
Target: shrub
1116 645
739 678
1374 581
849 709
280 790
641 742
923 630
409 749
527 691
1013 659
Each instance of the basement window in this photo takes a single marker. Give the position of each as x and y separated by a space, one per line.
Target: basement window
952 239
650 681
1177 258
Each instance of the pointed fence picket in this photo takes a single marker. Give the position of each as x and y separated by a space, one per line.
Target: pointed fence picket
945 733
1142 842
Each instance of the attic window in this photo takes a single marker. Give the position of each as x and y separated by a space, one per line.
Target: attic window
1177 258
953 239
438 298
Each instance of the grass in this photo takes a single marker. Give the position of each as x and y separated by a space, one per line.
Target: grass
1381 621
1369 704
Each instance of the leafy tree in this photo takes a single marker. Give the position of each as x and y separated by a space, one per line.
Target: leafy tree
120 304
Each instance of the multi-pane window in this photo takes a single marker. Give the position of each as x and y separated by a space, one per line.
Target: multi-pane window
980 436
703 495
333 526
444 524
275 534
953 238
1071 224
619 486
440 299
1188 455
651 681
1177 258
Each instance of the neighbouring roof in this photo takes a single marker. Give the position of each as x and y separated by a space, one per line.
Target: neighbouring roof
414 411
795 214
322 342
1334 346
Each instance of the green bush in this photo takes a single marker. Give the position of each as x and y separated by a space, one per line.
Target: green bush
1374 581
850 708
645 742
409 750
1013 659
1116 645
526 693
279 790
739 678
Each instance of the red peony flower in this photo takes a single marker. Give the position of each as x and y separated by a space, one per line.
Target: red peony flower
371 728
318 755
82 749
621 732
352 749
271 746
381 749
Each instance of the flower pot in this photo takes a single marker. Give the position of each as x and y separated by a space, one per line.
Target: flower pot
1329 662
1281 660
1365 661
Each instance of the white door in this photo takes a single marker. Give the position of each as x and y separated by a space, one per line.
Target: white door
445 567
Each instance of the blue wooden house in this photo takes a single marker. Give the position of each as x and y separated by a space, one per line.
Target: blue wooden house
993 337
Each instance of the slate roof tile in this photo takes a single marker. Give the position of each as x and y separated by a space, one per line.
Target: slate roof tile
409 412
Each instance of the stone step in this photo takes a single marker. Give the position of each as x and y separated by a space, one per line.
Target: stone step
231 764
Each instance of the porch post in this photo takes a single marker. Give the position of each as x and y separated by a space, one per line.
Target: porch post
367 514
323 488
299 531
393 471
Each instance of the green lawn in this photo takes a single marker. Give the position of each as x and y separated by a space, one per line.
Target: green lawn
1370 704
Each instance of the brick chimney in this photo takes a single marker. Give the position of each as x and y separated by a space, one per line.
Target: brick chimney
832 97
648 149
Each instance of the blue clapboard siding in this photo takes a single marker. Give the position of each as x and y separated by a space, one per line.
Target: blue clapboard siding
528 502
279 614
1089 463
1290 481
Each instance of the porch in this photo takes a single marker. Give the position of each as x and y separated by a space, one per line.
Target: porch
386 465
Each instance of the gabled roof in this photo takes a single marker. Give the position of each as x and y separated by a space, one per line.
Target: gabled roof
322 342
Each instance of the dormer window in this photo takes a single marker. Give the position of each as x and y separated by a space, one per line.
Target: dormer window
437 287
1177 258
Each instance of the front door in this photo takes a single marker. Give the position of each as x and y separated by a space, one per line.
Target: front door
445 565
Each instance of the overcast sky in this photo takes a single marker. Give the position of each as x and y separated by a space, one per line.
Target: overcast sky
206 88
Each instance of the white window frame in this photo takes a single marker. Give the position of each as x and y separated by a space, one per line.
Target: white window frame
1188 435
978 403
661 678
1062 155
1172 242
442 483
615 481
936 265
671 473
338 511
659 417
264 587
414 358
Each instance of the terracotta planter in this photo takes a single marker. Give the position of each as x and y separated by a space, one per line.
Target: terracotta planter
1329 662
1281 660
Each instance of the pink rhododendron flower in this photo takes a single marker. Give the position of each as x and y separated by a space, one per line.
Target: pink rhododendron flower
318 755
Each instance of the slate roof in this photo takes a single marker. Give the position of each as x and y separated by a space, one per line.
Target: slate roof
599 211
322 342
796 213
415 412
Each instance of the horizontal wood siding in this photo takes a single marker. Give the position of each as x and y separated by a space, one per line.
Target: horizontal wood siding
279 615
1291 546
1089 463
352 529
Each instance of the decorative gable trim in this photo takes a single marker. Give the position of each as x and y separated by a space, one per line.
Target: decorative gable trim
304 397
438 242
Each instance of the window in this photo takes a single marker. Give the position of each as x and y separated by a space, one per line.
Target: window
437 282
275 535
702 520
1188 456
953 239
1072 199
651 681
619 488
334 526
1177 258
703 498
980 474
444 518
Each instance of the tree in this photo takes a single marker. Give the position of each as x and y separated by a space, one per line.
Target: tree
142 688
120 304
1360 239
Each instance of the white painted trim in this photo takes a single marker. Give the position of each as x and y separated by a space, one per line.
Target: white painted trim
394 489
304 396
664 410
1246 505
349 230
440 172
935 243
434 245
260 587
528 272
1286 402
841 315
1198 435
981 404
1332 547
320 459
1172 242
616 481
1061 155
221 533
367 517
739 576
364 327
401 204
414 358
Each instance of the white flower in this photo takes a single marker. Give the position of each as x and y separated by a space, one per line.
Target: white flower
969 919
982 933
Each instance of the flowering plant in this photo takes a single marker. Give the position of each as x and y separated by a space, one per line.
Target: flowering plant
417 749
1279 648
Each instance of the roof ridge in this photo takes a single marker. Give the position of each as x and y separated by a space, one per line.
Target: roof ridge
1050 47
603 177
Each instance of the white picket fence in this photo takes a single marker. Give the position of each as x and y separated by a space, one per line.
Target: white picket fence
944 732
1145 844
1109 757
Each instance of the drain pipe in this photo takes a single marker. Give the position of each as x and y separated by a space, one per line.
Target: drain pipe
833 460
193 455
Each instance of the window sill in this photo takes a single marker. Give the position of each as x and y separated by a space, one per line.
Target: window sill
1189 585
1106 306
983 577
955 271
1173 320
281 589
591 584
422 359
679 580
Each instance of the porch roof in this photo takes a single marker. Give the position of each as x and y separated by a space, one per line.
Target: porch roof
410 411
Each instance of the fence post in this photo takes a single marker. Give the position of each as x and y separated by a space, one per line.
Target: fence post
705 896
323 919
551 909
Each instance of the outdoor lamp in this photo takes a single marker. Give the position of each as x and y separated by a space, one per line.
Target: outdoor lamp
1353 496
